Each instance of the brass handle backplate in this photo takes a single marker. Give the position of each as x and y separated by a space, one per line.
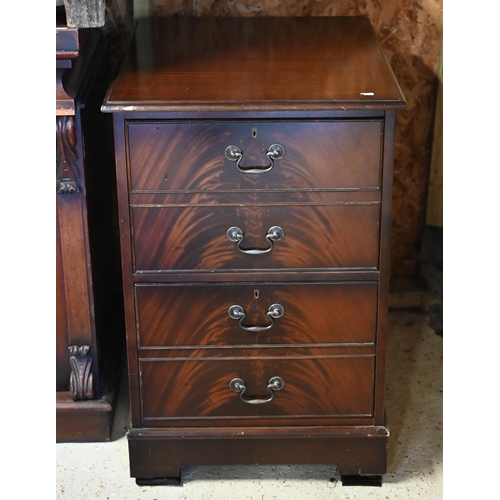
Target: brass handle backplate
275 152
236 235
274 312
238 385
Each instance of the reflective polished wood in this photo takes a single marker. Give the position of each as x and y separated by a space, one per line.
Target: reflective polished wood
181 63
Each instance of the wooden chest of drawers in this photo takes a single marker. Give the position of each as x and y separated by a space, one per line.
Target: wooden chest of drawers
254 168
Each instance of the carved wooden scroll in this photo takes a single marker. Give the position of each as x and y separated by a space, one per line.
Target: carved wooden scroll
68 175
81 378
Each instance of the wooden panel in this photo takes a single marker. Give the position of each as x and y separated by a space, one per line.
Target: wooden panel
75 268
318 312
190 238
313 387
247 65
185 157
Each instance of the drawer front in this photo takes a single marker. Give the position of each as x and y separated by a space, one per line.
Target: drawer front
196 238
174 156
199 315
315 386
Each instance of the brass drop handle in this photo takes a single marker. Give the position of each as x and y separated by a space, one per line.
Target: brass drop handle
274 312
238 385
236 235
275 152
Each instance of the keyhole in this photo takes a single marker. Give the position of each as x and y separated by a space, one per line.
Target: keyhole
254 132
256 294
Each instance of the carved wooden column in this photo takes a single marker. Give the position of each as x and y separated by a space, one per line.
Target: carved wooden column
88 299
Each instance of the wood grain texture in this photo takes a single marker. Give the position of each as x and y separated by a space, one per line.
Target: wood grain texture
313 387
314 313
75 265
177 156
195 238
63 369
85 421
263 63
410 35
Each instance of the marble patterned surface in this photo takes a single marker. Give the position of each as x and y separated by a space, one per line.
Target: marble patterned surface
415 452
410 34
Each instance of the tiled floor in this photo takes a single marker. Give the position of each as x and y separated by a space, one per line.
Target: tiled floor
414 414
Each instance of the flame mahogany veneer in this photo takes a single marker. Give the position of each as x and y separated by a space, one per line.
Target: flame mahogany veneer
254 169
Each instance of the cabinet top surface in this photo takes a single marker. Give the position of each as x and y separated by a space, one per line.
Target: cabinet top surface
254 64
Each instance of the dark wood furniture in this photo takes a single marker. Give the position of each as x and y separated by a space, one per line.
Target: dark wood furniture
89 308
254 165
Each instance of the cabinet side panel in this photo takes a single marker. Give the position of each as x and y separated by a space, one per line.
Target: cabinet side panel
126 256
385 256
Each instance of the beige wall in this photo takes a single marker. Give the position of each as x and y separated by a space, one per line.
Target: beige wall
410 34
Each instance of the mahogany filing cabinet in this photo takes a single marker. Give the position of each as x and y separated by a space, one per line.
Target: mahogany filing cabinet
254 169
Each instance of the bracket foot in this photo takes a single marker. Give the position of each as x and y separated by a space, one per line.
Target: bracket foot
158 481
356 480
